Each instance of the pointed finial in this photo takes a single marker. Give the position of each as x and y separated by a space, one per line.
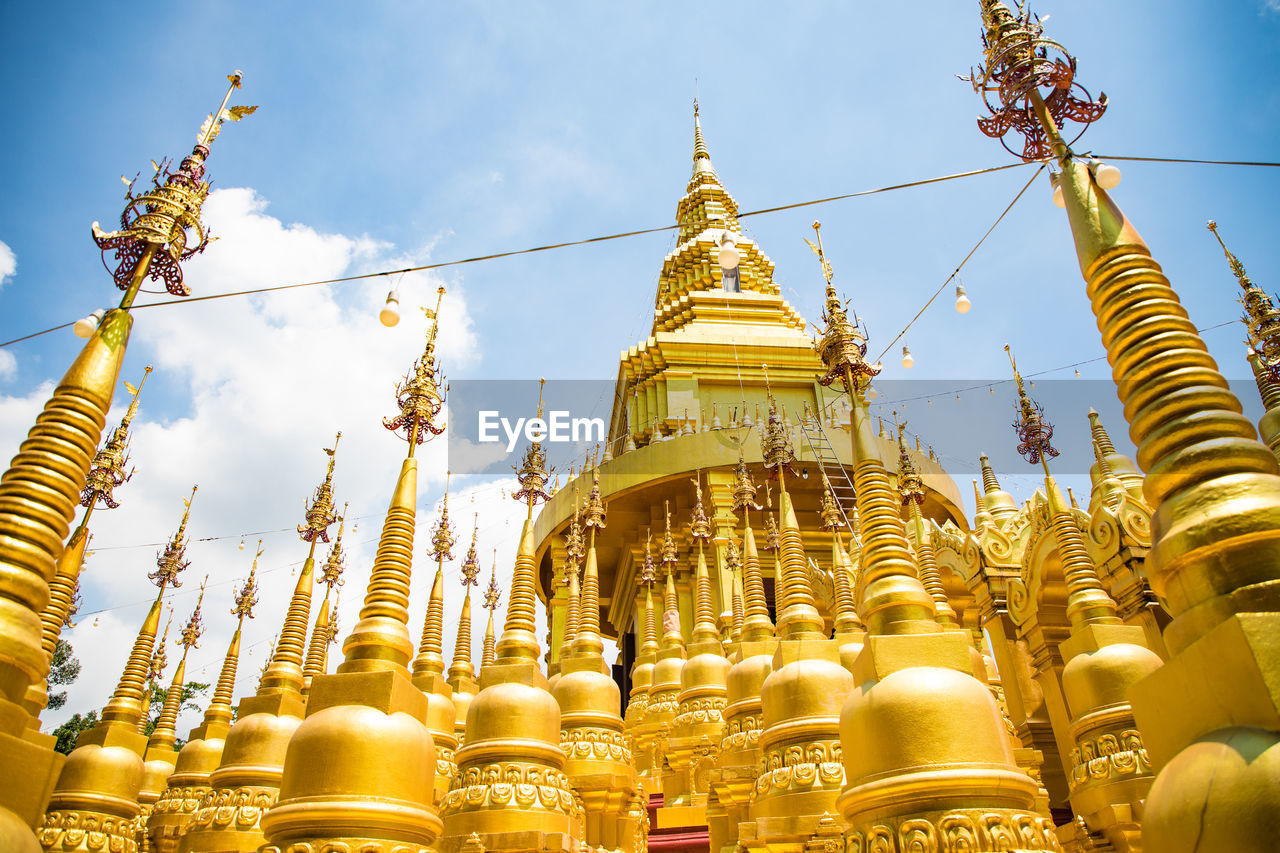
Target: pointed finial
594 511
492 593
190 636
247 597
334 565
776 441
744 490
648 574
1033 430
173 559
575 548
333 617
471 565
832 518
1260 318
910 483
419 395
533 470
700 525
670 557
155 235
701 156
107 471
319 512
442 532
160 656
843 345
772 536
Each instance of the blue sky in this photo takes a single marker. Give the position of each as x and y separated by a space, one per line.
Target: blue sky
409 133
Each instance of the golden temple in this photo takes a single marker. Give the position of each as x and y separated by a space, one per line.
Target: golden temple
818 649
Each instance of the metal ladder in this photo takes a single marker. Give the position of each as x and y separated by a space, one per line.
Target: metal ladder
825 454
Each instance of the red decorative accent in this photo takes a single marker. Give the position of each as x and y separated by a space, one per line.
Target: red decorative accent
676 839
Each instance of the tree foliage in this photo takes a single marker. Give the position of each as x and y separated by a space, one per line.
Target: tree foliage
191 691
63 669
69 732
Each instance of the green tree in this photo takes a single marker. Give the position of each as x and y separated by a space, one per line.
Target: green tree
63 669
191 691
69 732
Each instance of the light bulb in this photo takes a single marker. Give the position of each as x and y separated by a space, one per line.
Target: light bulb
872 393
1058 200
907 361
963 303
241 548
728 256
390 313
1077 374
993 391
1107 176
86 326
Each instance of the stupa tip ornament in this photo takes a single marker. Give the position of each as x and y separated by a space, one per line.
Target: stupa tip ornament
419 394
172 561
843 345
575 548
442 531
1034 432
471 564
335 563
1020 62
320 511
533 471
744 490
1260 315
775 443
700 525
910 483
492 593
247 598
189 638
832 518
594 511
670 556
648 573
107 470
161 227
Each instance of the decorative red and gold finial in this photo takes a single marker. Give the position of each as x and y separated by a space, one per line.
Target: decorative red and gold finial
320 514
1034 432
173 559
419 394
155 224
1020 62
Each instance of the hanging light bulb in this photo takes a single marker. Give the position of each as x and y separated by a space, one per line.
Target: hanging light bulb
872 393
1107 176
907 361
728 256
241 548
963 304
1056 180
390 313
1077 373
992 390
86 326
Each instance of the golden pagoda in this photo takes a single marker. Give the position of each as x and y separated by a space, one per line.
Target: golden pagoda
188 784
247 780
96 799
899 678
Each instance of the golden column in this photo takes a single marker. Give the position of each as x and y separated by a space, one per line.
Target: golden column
1263 323
161 757
201 754
428 666
574 552
639 730
492 595
739 756
39 490
1215 551
597 760
105 474
1109 774
511 789
926 754
360 769
462 676
247 780
326 627
95 803
849 631
660 713
699 723
800 775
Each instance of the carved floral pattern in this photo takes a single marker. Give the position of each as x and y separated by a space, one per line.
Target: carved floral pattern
84 830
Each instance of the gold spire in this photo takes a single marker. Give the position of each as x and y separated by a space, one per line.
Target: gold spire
1087 600
670 557
911 487
108 468
418 395
733 564
846 615
648 576
704 617
155 671
701 157
172 561
335 563
380 639
461 667
153 237
491 597
219 710
1261 317
756 625
316 660
319 512
165 734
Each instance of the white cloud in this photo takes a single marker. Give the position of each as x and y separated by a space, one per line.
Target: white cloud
8 365
8 263
269 379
